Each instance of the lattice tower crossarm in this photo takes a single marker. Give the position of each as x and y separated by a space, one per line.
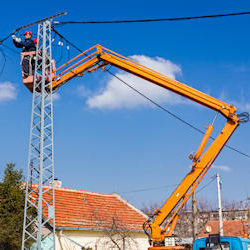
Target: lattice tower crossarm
39 213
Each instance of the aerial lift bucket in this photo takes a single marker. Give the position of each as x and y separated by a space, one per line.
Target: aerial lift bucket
29 80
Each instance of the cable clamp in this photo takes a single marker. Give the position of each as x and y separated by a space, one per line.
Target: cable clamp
244 117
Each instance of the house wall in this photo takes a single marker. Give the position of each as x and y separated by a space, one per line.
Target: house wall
94 240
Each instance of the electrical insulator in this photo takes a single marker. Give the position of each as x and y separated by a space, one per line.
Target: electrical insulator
60 43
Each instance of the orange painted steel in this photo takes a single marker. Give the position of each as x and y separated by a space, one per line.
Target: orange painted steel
112 58
203 144
169 212
58 81
170 84
71 60
74 65
189 181
172 227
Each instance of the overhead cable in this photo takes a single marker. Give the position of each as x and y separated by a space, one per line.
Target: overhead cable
9 48
172 114
153 20
155 103
148 189
203 187
152 101
124 21
5 38
166 186
4 63
39 21
32 24
66 40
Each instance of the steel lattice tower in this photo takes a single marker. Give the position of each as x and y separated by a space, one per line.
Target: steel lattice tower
39 214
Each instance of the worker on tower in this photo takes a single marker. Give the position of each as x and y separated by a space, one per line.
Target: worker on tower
35 41
28 45
39 54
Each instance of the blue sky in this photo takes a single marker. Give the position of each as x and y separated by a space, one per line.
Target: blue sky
124 143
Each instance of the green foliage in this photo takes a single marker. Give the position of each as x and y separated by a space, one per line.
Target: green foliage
12 200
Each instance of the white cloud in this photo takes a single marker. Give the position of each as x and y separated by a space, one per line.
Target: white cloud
238 67
82 91
223 168
56 96
117 95
243 106
7 91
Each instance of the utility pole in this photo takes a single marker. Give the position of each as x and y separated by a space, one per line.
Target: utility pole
40 175
194 212
41 149
219 204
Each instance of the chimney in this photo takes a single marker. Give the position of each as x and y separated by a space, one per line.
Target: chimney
57 183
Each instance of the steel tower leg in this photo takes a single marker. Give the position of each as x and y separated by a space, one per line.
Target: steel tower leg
39 214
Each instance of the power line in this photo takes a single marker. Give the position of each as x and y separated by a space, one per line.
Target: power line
66 40
167 186
56 23
154 20
156 104
152 101
173 115
213 178
32 24
39 21
5 38
7 47
4 63
148 189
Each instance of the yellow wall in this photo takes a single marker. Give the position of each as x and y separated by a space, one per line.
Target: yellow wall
101 240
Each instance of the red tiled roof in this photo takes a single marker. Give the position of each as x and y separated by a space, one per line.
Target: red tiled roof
230 228
94 211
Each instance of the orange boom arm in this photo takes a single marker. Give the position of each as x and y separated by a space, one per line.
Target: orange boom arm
162 224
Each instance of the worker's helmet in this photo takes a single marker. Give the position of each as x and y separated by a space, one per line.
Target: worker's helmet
35 40
27 32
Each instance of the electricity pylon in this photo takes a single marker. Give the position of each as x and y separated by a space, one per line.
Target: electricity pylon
39 214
